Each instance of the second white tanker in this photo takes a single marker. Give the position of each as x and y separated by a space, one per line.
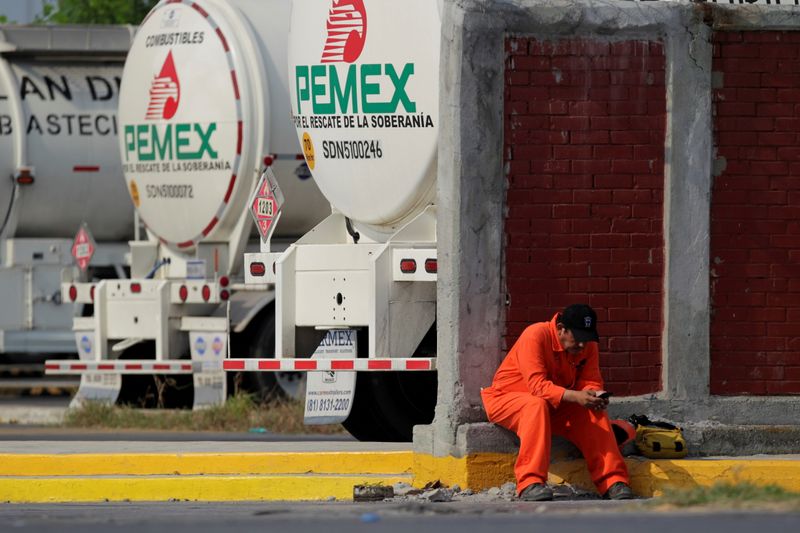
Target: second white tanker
364 78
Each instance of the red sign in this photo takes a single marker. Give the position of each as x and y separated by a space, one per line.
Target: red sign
83 248
265 204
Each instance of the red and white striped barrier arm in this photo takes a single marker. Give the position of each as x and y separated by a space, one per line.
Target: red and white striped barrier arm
118 367
311 365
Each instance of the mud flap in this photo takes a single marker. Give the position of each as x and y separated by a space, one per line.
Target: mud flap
94 387
329 394
210 384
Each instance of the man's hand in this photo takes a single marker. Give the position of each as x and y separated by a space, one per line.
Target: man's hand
586 398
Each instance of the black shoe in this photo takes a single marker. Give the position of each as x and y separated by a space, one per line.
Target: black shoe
619 491
538 492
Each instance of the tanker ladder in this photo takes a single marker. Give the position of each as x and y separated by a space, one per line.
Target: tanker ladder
128 312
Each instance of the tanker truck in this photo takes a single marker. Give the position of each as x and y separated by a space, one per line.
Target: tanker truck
356 296
59 170
204 111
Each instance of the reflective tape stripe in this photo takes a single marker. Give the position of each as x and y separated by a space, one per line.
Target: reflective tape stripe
311 365
118 367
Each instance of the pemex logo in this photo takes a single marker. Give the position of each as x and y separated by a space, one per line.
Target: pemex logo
184 141
347 31
165 92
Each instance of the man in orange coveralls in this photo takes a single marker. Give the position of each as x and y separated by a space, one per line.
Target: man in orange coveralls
550 382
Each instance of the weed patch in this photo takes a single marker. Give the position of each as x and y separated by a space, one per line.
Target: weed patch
240 413
740 495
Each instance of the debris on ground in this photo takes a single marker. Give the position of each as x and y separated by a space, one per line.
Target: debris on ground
437 492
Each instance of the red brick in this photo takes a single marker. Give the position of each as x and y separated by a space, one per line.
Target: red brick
572 152
583 226
613 152
569 123
629 285
547 166
613 181
588 285
610 123
528 93
649 240
740 65
772 168
590 137
790 125
574 181
783 212
788 95
631 226
530 63
628 374
783 387
738 109
593 196
737 387
611 211
744 94
591 166
776 139
631 166
630 137
610 240
630 105
588 108
740 50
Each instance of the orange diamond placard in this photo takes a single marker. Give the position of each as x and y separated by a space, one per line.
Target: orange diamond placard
266 203
83 247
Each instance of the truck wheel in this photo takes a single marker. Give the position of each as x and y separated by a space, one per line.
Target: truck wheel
271 385
150 391
388 405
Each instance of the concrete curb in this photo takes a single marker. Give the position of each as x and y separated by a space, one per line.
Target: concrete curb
82 477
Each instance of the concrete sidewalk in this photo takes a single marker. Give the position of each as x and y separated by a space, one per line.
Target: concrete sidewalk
84 471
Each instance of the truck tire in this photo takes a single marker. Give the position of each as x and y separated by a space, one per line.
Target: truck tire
388 405
271 385
154 391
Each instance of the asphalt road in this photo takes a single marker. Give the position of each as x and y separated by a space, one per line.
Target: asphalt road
335 517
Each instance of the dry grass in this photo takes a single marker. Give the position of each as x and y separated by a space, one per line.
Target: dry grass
240 413
742 495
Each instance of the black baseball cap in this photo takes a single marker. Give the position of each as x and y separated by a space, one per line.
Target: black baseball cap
581 320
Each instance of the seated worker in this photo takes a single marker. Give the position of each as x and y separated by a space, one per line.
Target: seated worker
549 383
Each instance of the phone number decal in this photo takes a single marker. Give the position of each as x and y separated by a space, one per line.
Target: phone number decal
327 404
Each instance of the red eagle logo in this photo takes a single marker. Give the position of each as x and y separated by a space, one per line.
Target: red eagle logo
347 31
165 92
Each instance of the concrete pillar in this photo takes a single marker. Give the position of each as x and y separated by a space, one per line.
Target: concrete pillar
471 189
687 192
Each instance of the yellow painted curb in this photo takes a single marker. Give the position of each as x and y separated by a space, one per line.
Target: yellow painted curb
321 475
475 471
193 488
205 463
649 477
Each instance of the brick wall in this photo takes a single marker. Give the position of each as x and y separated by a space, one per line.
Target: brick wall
755 215
584 153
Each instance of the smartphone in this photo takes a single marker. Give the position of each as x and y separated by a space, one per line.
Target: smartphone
604 394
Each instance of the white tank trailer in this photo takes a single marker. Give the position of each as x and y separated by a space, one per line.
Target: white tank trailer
204 110
358 292
59 169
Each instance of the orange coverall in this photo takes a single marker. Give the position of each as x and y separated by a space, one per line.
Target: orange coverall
525 397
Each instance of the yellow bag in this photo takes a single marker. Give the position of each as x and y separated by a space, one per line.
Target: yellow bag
658 440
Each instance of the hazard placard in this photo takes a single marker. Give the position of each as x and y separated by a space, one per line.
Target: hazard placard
266 203
83 247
